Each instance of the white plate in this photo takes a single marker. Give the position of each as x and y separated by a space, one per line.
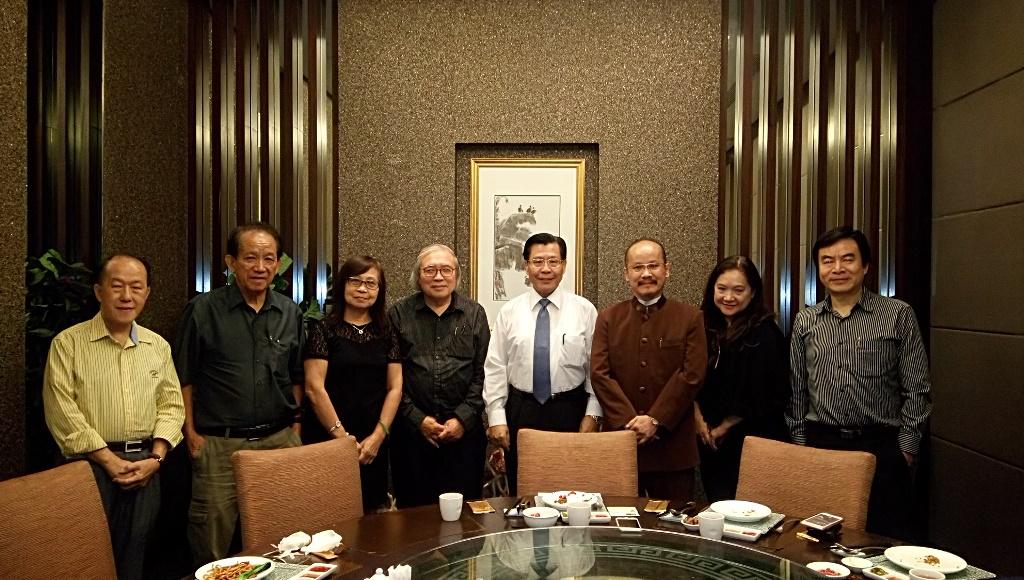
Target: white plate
552 499
741 511
914 557
254 560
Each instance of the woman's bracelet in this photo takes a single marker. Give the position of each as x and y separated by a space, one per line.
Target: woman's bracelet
337 425
387 432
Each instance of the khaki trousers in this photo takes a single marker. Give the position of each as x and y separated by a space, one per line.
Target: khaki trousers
213 513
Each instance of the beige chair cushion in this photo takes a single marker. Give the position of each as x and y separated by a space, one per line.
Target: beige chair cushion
801 481
55 518
597 462
308 488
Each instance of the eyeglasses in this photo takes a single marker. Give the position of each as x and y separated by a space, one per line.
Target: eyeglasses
354 282
652 268
550 262
431 271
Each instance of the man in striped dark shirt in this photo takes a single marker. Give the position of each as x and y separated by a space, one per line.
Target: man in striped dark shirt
860 377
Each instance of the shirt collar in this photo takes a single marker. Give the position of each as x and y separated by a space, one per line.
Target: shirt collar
557 297
457 303
98 331
236 299
650 302
866 302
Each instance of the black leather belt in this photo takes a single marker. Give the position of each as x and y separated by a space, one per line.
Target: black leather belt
852 433
256 432
578 391
133 446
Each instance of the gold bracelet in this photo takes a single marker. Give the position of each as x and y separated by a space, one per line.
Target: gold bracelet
337 425
387 432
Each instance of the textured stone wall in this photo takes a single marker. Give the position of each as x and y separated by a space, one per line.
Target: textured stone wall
639 79
13 180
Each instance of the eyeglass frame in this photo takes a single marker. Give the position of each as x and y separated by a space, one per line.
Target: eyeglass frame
425 271
549 262
357 282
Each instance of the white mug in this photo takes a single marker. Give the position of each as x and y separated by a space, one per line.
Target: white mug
579 513
451 506
712 525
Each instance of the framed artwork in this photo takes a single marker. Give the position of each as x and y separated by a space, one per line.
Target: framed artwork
512 199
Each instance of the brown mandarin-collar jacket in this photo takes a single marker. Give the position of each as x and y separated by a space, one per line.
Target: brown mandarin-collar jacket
650 360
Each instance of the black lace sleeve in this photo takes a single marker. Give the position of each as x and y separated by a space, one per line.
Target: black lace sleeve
316 341
394 350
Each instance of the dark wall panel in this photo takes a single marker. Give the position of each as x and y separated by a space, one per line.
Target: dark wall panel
976 43
145 151
975 168
13 179
977 379
979 270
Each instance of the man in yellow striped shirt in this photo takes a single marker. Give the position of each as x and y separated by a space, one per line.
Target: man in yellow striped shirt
112 397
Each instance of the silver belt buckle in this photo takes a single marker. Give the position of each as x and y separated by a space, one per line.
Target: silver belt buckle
133 446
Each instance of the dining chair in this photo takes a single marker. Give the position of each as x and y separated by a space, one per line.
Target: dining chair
597 462
54 525
308 488
801 481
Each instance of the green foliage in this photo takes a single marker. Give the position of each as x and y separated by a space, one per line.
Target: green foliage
58 295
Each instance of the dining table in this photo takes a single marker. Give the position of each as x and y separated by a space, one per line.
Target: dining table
491 545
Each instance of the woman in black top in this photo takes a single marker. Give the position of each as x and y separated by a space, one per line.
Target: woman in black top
747 385
354 374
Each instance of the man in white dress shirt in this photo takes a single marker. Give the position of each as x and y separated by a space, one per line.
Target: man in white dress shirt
537 372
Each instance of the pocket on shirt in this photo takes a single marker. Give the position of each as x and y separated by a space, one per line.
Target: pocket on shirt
876 357
574 350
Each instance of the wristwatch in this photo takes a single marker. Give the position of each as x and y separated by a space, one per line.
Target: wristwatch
654 422
337 425
159 458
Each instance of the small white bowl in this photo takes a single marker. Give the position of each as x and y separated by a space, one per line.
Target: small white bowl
926 574
689 526
541 517
839 570
856 564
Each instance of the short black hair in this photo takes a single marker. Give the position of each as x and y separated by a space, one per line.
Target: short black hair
102 270
843 233
543 239
235 237
664 252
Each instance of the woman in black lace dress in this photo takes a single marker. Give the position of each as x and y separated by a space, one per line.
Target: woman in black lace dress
354 373
747 384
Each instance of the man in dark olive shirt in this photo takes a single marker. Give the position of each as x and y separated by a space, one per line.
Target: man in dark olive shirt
238 356
439 440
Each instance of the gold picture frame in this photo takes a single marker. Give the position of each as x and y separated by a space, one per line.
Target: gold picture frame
511 199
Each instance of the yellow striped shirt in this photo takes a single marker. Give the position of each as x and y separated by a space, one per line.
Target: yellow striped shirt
96 390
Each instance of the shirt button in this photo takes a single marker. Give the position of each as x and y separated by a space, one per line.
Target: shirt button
643 389
643 340
643 363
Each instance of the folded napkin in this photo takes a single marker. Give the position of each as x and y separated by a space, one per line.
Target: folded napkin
324 541
293 542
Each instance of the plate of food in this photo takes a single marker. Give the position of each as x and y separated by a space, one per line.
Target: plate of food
911 557
237 568
741 511
560 499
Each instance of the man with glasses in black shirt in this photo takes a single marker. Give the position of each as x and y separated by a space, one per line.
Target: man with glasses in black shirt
860 376
439 440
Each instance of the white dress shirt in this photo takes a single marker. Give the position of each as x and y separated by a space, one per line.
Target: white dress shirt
510 353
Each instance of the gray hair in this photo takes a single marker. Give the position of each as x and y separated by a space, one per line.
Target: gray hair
414 276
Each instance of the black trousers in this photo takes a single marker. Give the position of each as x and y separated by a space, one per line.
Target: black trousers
131 515
562 412
890 507
422 472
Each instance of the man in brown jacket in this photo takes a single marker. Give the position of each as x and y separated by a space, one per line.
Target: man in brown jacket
648 363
